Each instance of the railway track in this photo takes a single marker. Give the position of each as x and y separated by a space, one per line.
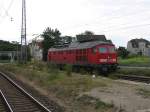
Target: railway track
135 78
15 99
4 105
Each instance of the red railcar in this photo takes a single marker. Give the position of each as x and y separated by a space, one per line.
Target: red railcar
91 55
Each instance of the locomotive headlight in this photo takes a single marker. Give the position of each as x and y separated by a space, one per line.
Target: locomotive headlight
103 60
114 60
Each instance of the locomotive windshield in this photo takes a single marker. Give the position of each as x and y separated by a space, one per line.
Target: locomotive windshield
112 50
106 50
103 50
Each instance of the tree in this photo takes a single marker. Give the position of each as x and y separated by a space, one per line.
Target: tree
87 33
51 38
122 52
9 46
67 39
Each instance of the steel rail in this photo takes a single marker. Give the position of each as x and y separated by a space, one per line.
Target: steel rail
26 93
134 67
6 102
135 78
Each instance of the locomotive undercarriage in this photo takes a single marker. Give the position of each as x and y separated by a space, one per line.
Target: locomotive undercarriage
102 69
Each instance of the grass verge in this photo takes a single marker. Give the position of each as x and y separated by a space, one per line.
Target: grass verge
135 61
65 85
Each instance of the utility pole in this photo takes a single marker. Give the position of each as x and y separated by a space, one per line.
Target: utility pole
23 34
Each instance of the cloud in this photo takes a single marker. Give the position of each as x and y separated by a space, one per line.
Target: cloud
118 19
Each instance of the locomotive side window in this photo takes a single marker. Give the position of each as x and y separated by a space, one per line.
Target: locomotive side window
103 50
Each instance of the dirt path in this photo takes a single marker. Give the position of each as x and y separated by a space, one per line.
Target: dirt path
123 94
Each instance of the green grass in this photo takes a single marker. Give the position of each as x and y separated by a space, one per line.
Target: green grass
5 61
135 61
60 82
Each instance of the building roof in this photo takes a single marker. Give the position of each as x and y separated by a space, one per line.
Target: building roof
85 38
135 42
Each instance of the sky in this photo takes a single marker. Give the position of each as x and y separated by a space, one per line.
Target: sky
118 20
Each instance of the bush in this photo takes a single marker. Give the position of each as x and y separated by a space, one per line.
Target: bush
122 52
52 68
97 103
100 104
68 69
38 65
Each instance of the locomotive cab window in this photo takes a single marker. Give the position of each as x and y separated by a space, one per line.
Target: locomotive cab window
103 50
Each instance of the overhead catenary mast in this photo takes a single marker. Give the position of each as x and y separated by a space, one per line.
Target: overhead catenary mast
23 34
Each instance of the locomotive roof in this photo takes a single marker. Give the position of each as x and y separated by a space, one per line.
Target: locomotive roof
77 45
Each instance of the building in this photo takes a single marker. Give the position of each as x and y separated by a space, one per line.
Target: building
139 47
84 38
36 49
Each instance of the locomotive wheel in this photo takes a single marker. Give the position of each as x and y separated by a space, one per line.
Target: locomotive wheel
105 71
114 69
89 70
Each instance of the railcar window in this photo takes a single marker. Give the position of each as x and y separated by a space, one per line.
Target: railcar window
103 50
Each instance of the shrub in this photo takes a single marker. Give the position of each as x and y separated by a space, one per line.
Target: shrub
68 69
122 52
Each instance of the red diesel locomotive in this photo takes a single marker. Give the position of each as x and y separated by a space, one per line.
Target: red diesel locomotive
89 52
